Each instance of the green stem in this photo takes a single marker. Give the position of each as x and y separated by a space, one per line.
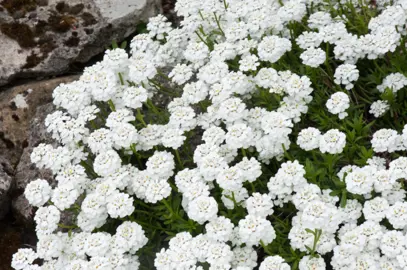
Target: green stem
265 248
66 226
178 158
163 75
140 117
121 79
111 105
217 19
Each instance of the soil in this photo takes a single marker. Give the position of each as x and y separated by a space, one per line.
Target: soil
12 237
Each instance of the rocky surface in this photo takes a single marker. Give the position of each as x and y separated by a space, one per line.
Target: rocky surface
18 106
22 112
26 171
43 37
6 186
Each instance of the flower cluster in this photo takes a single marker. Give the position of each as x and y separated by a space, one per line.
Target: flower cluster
213 145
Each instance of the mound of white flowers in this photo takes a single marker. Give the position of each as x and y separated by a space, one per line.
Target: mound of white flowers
258 135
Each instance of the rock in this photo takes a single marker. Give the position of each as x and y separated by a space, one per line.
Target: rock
6 185
22 114
18 106
62 33
42 2
26 171
22 210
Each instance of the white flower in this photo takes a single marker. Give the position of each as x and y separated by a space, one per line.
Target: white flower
253 229
120 205
202 209
50 246
180 74
158 26
383 180
230 178
119 117
219 255
197 53
346 74
141 68
107 163
173 138
134 97
250 168
161 164
259 205
338 104
333 142
292 10
131 236
276 123
97 244
239 136
249 62
100 140
386 140
392 244
308 262
272 48
236 31
219 229
23 258
375 209
313 57
38 192
308 139
64 195
73 97
274 262
303 196
360 181
393 81
47 219
320 215
309 40
397 215
124 135
157 190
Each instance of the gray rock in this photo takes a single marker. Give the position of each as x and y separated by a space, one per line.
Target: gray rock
22 210
62 33
26 171
18 105
22 112
6 185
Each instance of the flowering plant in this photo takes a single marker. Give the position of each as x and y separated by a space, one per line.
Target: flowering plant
257 135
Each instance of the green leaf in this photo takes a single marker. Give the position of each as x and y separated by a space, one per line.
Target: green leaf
114 44
343 198
123 45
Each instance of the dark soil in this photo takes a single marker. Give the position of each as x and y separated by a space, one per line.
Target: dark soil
13 6
12 237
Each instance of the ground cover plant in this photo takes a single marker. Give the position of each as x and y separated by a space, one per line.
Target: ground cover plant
257 135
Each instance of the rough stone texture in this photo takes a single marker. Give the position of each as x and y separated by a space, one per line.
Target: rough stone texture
26 171
6 185
44 40
23 212
22 112
17 108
